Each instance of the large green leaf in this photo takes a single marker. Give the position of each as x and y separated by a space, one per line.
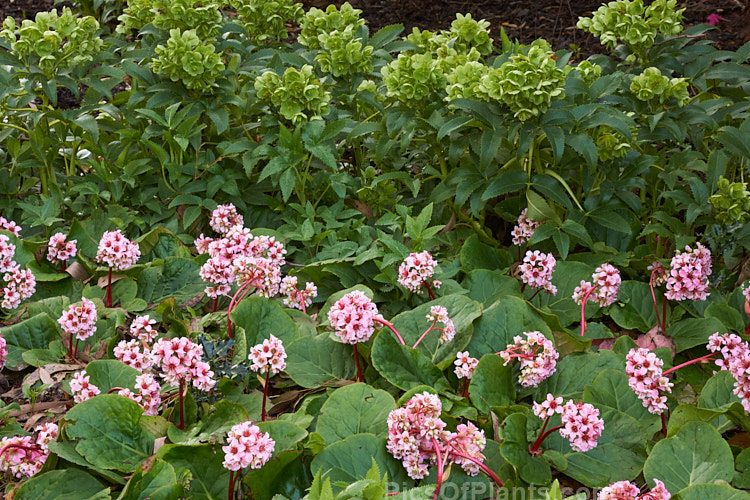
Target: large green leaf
177 278
34 333
477 255
159 482
634 309
515 449
695 454
354 409
487 286
66 484
691 332
260 318
213 427
412 324
284 474
712 492
403 366
502 321
314 361
107 374
492 383
349 460
566 277
210 480
742 469
575 372
285 434
109 433
718 394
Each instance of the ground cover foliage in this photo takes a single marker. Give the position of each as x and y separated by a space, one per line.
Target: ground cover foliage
500 242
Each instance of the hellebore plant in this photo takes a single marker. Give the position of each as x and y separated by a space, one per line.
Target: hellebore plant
117 252
267 357
246 446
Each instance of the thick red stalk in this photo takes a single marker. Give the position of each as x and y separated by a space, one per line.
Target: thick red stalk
583 309
182 406
360 377
109 288
664 425
429 291
692 361
232 304
33 447
653 296
265 396
424 334
393 329
482 466
232 479
542 436
440 469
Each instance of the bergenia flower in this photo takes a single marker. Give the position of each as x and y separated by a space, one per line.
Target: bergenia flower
60 250
141 327
581 425
81 388
179 360
148 396
524 229
295 298
537 355
416 272
465 365
10 226
606 285
260 272
20 284
353 317
536 271
645 377
224 218
688 274
247 446
439 314
3 351
130 352
736 358
79 320
625 490
7 252
268 356
24 456
116 251
548 407
714 19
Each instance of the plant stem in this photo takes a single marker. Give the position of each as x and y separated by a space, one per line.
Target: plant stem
360 377
182 406
534 448
664 424
232 303
109 288
393 329
424 335
232 479
440 469
692 361
71 355
583 309
75 350
265 396
482 466
664 315
653 296
429 291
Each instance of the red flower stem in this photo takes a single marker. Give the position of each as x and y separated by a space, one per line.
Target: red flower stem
482 466
653 296
265 396
583 309
232 478
75 350
542 436
429 291
692 361
664 316
33 447
71 355
424 334
64 266
747 330
360 377
114 389
232 304
664 424
440 469
109 288
535 294
302 302
216 304
393 329
182 406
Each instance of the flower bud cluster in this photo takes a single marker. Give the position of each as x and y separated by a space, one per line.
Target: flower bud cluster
606 285
79 320
439 314
59 250
179 360
81 388
148 395
189 59
731 202
116 251
129 352
524 229
581 425
294 297
537 354
18 284
247 446
225 218
24 456
203 17
536 270
465 365
353 317
652 86
416 271
644 370
736 358
625 490
266 20
268 356
688 274
298 94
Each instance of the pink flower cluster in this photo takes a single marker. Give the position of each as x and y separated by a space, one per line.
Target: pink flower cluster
24 456
247 446
261 272
79 320
353 317
294 297
60 250
581 424
736 358
141 327
644 370
414 429
524 229
116 251
10 226
606 285
268 356
536 271
3 351
688 276
537 354
179 359
465 365
20 284
129 352
746 293
148 396
416 271
81 388
439 314
224 218
625 490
